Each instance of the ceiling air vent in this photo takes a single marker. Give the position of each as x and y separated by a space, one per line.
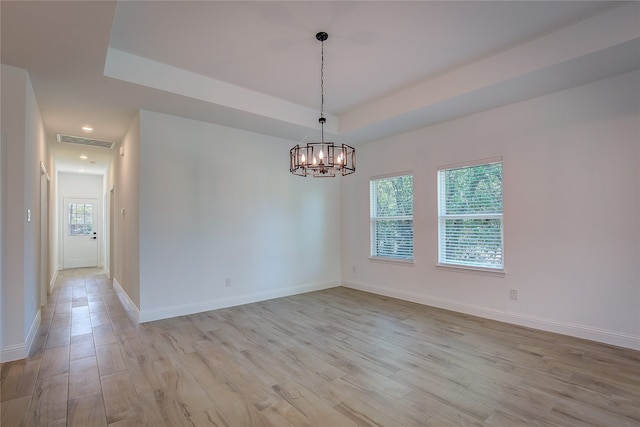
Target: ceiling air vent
85 141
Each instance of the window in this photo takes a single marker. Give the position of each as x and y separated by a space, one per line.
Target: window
392 217
80 219
470 224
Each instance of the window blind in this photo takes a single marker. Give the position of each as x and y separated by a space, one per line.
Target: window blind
392 217
470 216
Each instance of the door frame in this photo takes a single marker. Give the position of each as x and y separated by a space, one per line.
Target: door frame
112 259
45 182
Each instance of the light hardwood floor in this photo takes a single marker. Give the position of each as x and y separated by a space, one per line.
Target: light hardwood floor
334 358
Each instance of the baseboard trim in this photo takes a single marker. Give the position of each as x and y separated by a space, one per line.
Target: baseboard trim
124 298
21 351
549 325
52 283
218 303
33 330
13 352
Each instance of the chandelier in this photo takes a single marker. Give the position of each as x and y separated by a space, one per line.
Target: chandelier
322 159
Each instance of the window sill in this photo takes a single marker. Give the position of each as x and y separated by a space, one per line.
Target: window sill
392 260
473 270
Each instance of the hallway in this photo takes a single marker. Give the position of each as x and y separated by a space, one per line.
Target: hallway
59 384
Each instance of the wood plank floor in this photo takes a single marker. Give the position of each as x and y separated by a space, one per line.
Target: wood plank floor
338 357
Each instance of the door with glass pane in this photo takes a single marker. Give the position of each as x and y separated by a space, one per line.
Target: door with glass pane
80 233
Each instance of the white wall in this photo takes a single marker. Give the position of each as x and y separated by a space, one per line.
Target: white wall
83 186
24 147
13 120
126 178
216 203
571 206
3 180
55 259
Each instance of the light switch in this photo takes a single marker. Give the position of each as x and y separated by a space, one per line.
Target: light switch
28 215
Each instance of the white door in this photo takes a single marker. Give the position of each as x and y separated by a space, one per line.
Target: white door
80 233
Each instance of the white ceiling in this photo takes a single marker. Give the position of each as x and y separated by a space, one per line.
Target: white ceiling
389 66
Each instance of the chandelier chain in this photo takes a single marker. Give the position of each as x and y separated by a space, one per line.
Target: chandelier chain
322 79
322 89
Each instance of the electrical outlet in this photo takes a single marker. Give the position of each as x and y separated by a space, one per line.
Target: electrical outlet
227 282
513 294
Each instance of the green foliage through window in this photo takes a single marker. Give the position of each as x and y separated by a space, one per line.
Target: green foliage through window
80 219
470 216
392 217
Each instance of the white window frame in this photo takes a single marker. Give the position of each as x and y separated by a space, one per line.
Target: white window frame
443 216
374 219
73 219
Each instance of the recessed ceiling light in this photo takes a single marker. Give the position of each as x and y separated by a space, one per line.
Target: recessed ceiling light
87 128
84 157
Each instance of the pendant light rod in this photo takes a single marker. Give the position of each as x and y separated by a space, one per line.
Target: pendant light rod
322 37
